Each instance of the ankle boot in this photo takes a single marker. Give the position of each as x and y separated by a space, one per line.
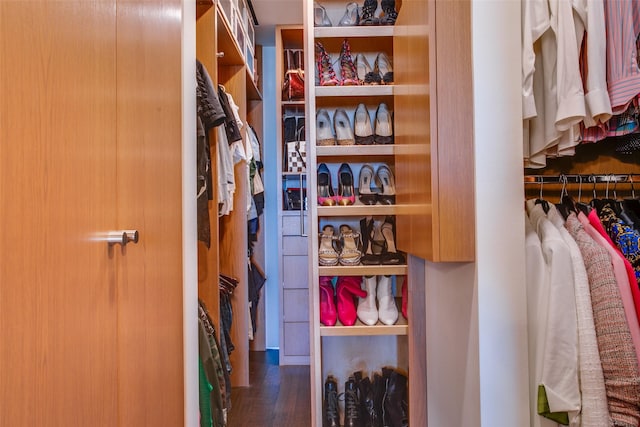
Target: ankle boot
370 412
390 13
368 13
330 415
347 288
387 309
395 399
378 387
351 404
367 310
328 312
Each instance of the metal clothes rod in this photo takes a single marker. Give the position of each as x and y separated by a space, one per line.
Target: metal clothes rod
583 178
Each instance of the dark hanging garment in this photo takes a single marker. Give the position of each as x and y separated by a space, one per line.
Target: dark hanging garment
230 125
209 110
210 114
256 282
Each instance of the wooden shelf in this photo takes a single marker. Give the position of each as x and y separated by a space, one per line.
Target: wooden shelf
293 103
364 270
253 93
355 150
357 210
360 329
227 44
350 91
364 31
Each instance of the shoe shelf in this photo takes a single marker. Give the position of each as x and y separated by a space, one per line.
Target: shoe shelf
376 31
293 103
360 329
364 270
355 150
350 91
357 210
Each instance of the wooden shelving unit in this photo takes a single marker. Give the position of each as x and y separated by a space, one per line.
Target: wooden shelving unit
219 52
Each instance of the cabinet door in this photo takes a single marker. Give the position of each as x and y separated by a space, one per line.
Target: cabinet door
90 142
58 290
149 197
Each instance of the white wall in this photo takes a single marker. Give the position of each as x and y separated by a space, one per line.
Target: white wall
270 225
500 265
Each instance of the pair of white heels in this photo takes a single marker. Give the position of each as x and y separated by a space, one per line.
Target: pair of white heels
340 132
350 18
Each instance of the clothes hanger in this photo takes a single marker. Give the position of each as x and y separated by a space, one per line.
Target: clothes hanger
541 201
566 205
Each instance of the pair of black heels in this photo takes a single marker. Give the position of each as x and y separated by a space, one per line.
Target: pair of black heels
346 192
379 242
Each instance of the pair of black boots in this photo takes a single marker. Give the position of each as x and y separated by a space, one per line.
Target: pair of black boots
377 402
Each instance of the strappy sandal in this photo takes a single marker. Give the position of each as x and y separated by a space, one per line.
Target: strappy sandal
373 242
327 253
391 256
350 246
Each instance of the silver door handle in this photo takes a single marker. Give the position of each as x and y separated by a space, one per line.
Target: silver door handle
120 237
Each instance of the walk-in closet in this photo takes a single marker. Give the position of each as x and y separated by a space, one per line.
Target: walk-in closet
319 213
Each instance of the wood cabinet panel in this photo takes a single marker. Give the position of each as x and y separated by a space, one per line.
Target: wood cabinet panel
292 225
149 178
295 274
58 292
296 305
296 339
292 245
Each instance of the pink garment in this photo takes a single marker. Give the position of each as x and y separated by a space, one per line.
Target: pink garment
635 292
622 280
622 18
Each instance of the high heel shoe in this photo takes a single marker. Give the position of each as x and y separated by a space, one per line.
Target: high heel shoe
365 185
326 74
327 253
342 125
347 289
347 69
388 184
346 192
326 196
368 13
391 256
390 13
372 241
351 16
382 66
324 132
362 126
364 71
383 128
350 246
328 311
320 17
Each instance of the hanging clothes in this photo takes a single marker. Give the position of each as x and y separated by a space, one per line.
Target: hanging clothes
554 326
615 345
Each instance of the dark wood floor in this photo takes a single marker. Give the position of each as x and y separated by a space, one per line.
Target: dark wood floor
277 397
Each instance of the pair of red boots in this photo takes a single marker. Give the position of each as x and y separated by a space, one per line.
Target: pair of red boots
344 306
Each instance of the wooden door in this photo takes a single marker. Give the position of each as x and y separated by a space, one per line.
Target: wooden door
58 289
90 142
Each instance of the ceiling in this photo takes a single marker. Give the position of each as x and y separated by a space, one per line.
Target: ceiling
275 12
